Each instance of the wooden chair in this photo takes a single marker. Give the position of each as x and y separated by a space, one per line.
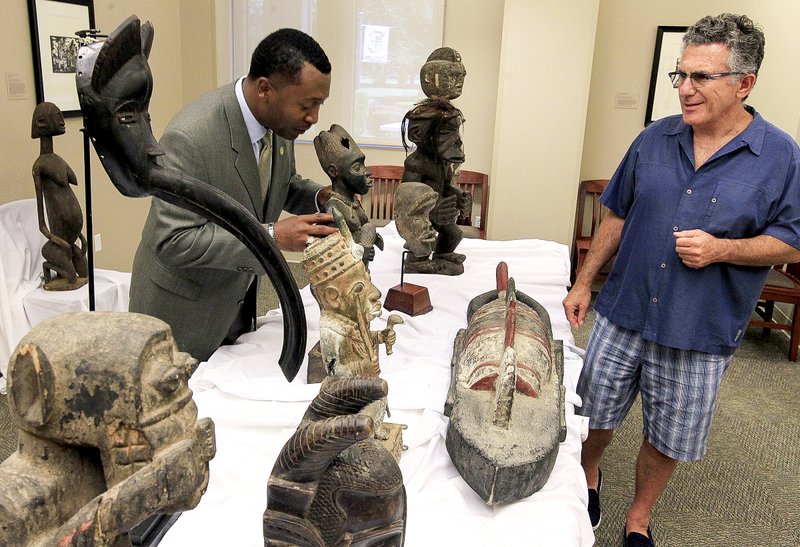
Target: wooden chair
587 221
476 184
782 286
379 203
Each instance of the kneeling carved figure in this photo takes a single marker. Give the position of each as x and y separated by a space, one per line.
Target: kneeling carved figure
506 397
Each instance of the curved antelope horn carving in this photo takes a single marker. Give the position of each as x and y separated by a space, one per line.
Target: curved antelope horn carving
345 396
309 452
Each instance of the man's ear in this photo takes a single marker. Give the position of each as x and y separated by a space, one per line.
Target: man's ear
264 86
30 385
746 85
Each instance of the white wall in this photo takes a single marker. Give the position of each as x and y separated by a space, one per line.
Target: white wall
626 34
545 70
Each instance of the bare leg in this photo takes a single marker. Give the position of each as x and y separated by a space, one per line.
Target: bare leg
592 452
653 471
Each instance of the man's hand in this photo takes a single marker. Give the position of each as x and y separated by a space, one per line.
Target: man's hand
576 304
696 248
292 233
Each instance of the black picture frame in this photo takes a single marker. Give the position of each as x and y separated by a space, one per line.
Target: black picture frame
662 99
55 47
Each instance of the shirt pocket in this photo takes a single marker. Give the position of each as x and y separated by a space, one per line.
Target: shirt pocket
736 209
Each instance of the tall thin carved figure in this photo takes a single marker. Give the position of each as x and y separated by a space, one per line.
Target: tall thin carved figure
63 221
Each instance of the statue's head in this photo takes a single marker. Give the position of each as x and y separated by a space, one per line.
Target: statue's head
413 202
442 76
48 121
114 382
342 160
339 280
434 125
114 88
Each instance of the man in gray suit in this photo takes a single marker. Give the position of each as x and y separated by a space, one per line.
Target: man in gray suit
239 138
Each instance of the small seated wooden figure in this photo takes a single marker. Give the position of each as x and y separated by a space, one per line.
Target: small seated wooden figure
333 483
109 434
62 224
348 302
343 161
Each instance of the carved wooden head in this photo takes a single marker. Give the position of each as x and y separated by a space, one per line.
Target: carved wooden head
114 88
442 75
413 202
342 160
111 381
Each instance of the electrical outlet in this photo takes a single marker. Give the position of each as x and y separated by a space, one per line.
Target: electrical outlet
98 243
477 220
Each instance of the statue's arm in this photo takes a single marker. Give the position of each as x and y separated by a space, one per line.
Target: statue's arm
172 482
37 183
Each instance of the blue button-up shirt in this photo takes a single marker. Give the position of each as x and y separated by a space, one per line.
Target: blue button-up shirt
751 186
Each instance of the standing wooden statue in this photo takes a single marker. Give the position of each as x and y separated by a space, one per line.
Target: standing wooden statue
434 126
52 177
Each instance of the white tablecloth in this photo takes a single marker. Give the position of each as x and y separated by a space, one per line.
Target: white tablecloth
255 411
23 301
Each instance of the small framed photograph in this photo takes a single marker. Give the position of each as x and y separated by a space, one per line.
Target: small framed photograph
662 100
55 49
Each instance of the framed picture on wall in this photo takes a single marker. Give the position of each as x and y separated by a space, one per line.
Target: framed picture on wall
55 49
662 100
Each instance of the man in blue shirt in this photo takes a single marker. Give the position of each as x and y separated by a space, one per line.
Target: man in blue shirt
700 207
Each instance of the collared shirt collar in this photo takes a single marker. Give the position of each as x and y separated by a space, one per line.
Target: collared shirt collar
752 136
255 130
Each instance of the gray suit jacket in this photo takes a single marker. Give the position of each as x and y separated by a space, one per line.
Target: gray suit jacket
188 271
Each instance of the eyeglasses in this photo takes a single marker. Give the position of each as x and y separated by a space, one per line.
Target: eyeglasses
699 79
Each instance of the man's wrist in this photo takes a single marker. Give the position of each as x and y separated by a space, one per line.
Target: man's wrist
270 226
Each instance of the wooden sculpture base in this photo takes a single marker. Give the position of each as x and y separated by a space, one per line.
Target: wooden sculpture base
394 443
408 298
63 284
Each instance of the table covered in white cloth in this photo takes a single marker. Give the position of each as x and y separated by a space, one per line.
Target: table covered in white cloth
23 301
255 411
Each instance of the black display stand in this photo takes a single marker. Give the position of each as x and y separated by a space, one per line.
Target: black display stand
87 175
150 532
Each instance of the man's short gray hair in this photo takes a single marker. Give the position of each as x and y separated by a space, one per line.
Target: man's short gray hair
744 38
